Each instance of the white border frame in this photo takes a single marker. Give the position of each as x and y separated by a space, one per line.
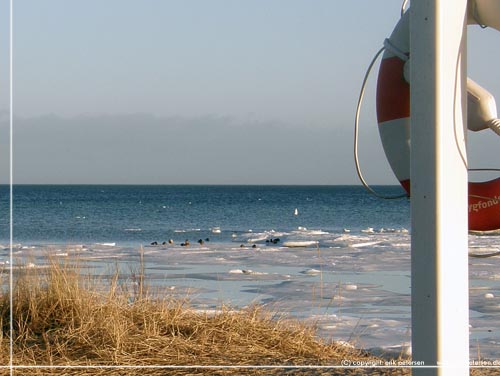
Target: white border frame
13 367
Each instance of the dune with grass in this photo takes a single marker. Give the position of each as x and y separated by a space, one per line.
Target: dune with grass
67 323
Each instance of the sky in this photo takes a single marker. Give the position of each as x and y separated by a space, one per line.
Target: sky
202 91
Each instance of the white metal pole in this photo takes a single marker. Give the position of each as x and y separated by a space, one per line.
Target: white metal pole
440 320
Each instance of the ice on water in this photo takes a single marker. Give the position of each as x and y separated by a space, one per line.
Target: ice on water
354 286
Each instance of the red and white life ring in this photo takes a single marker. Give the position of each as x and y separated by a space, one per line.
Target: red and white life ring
393 115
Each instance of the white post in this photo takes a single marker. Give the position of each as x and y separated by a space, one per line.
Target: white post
440 308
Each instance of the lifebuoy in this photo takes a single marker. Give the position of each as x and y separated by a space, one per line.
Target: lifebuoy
393 116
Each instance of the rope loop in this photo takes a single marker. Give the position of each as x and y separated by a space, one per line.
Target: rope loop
395 50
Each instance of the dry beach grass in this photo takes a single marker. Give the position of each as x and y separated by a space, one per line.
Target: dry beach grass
63 319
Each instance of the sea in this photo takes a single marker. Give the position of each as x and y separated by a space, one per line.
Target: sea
335 257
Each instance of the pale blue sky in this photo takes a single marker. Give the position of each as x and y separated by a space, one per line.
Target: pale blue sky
277 78
293 60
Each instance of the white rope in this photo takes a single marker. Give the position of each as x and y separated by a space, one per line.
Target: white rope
395 50
484 169
403 7
462 153
356 131
398 52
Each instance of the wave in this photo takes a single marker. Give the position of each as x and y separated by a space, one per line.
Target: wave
305 231
296 243
254 237
246 271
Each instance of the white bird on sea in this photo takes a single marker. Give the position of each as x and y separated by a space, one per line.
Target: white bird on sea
296 212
